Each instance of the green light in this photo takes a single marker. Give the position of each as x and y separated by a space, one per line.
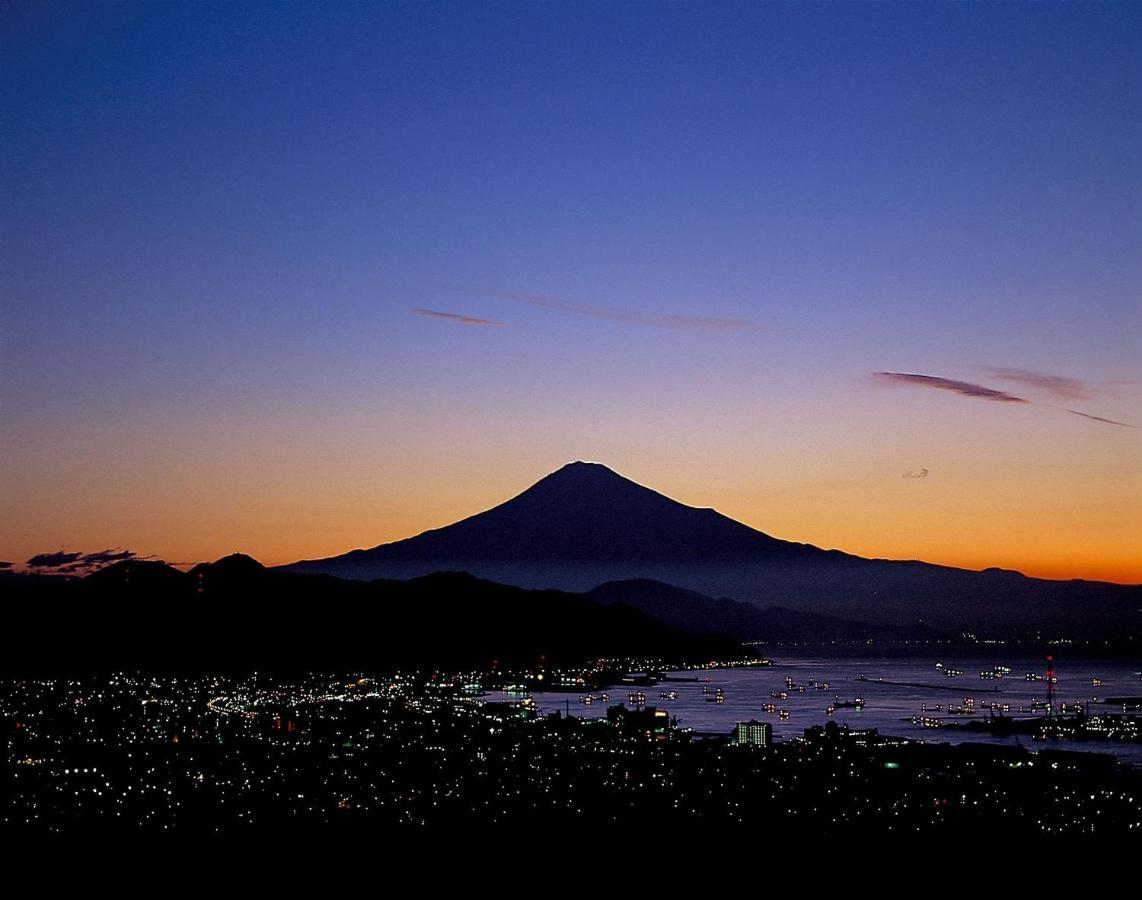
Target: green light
892 765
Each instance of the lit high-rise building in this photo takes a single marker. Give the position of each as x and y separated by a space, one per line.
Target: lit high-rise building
752 733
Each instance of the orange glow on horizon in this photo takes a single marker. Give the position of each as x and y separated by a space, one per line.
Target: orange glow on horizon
891 530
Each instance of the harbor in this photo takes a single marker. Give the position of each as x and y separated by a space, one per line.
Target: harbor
903 697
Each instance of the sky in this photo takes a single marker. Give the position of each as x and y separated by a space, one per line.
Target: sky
296 278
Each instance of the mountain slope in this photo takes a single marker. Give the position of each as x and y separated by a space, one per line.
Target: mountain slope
584 525
583 512
697 613
584 515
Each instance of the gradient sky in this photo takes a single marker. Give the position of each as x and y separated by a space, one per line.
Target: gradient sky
295 278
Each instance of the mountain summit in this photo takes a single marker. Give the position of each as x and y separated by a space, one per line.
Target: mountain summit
587 512
585 524
584 513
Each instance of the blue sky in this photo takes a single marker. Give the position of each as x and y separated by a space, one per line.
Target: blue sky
219 219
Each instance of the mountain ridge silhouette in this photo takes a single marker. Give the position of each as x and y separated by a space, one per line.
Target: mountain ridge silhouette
584 525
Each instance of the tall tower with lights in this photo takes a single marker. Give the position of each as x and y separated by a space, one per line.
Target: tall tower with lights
1052 680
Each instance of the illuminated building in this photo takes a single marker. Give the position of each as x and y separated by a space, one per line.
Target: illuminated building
752 733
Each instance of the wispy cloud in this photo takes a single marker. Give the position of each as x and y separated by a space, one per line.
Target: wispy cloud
1059 386
1101 419
965 388
456 317
630 317
981 392
921 473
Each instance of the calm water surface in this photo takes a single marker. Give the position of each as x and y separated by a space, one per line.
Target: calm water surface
886 706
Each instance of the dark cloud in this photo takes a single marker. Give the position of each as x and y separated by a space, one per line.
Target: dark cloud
1058 386
965 388
920 473
6 565
103 557
53 560
66 562
455 317
1101 419
655 320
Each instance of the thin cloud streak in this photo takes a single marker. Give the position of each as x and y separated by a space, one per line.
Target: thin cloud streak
964 388
456 317
626 316
1101 419
1058 386
979 392
922 473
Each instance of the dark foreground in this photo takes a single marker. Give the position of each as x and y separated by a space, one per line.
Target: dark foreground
258 755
